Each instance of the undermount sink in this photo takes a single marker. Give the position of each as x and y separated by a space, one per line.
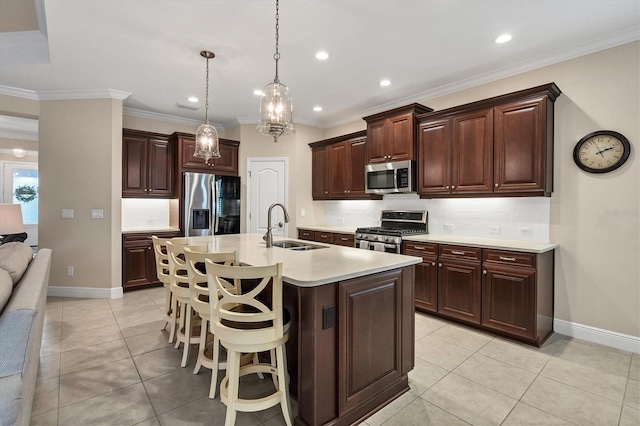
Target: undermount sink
296 245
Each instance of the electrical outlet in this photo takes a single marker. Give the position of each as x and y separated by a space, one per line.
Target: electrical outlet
448 227
70 271
494 230
525 231
303 212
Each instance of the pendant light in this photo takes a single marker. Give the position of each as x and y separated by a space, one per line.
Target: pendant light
207 145
275 106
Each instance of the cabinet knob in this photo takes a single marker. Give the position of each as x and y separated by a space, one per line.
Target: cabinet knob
453 187
484 271
145 190
496 185
326 192
150 189
446 187
433 263
439 265
345 191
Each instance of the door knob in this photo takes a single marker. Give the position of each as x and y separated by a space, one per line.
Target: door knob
280 224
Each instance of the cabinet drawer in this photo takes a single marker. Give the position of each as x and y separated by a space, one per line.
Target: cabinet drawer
305 234
510 258
460 252
146 237
346 240
324 237
421 248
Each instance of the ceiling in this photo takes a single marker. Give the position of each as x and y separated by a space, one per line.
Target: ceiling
150 49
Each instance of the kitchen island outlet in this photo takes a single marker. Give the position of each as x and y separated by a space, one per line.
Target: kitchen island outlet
351 343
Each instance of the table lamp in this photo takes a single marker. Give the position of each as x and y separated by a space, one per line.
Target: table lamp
10 220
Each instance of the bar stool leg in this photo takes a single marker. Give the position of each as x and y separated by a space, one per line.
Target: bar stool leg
187 335
174 320
167 307
216 367
285 402
181 324
233 372
202 346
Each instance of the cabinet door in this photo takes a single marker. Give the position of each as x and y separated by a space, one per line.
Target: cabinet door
426 285
370 329
137 269
459 290
319 168
434 157
472 152
400 137
324 237
227 164
355 167
337 169
521 146
161 168
134 166
509 299
306 234
376 142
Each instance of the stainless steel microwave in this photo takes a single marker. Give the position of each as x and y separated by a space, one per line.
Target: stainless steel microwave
389 178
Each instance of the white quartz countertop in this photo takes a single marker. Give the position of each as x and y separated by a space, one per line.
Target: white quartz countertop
323 228
492 243
311 267
150 229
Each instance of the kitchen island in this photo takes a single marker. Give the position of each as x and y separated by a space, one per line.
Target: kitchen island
351 342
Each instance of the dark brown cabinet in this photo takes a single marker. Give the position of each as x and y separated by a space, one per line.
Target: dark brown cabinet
516 296
338 167
138 259
227 164
459 283
391 135
324 237
426 284
505 292
346 240
498 146
148 165
306 234
337 238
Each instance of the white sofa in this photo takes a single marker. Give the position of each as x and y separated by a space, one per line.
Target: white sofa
23 296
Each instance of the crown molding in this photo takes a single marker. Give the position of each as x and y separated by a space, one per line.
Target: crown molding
49 95
166 117
18 93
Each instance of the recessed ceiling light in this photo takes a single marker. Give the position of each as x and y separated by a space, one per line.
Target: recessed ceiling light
322 55
257 92
192 99
503 38
384 83
317 108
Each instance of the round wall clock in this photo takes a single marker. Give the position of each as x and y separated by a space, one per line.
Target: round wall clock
601 151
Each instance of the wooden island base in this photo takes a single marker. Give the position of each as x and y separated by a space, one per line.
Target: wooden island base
351 345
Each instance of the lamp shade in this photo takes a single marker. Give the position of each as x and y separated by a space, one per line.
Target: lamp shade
11 219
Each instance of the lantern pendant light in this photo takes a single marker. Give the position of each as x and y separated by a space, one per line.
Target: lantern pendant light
207 144
276 107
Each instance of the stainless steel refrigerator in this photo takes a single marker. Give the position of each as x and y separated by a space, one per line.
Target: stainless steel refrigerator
211 204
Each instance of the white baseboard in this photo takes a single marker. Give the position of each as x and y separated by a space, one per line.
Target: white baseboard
85 292
613 339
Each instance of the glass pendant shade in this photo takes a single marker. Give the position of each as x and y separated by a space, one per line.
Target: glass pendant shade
276 110
207 143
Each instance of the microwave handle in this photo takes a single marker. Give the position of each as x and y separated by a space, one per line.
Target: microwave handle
395 178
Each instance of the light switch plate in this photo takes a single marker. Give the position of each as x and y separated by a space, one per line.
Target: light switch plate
67 213
97 213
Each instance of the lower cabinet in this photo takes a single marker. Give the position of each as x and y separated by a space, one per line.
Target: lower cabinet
504 292
336 238
138 259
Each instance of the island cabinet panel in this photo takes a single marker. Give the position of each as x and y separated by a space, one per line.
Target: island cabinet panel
494 147
426 283
148 165
391 135
138 259
459 283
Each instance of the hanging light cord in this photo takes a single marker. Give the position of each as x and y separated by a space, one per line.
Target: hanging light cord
276 55
206 97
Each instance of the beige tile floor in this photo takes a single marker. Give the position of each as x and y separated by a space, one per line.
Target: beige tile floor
107 362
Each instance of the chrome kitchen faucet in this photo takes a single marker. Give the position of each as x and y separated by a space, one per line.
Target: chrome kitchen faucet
268 237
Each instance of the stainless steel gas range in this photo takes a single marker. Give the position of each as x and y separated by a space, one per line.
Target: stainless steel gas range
394 224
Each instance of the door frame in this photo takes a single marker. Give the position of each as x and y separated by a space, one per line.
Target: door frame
251 160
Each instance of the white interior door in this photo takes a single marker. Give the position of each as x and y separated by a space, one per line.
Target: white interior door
20 176
267 183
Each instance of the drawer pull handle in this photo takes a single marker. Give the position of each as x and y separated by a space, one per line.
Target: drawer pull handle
510 259
461 253
344 239
419 248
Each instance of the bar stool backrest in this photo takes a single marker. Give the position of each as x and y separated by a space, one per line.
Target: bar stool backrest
162 257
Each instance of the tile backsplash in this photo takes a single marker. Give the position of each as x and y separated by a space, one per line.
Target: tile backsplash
522 218
143 213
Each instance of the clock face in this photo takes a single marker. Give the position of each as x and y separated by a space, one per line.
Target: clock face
602 151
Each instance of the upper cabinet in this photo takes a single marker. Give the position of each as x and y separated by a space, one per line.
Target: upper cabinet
338 167
227 164
498 146
391 135
148 165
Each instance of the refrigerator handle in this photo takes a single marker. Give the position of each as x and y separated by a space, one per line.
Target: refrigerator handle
215 207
